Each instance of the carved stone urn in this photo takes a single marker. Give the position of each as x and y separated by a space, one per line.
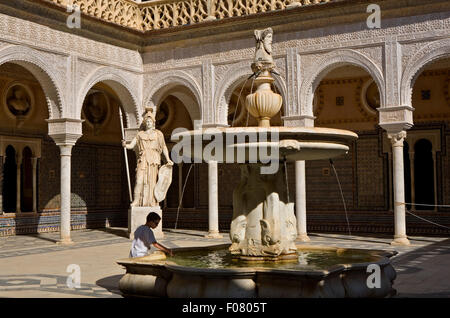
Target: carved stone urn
264 103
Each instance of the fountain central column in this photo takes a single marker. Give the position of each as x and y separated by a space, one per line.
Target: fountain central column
264 223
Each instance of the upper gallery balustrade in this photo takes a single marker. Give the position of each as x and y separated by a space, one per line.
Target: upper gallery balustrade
161 14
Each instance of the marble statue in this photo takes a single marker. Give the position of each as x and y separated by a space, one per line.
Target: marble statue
263 54
149 173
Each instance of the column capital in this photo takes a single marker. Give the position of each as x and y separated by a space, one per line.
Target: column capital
397 138
396 118
65 131
65 149
34 161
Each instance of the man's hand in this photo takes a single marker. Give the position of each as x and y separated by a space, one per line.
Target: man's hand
124 143
170 162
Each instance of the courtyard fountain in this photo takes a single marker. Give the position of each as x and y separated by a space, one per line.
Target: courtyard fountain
263 259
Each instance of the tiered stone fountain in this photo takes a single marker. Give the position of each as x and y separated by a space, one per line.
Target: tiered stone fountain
263 227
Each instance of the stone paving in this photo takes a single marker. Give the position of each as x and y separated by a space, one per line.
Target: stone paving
34 266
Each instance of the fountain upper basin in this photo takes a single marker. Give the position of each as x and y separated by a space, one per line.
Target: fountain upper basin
263 144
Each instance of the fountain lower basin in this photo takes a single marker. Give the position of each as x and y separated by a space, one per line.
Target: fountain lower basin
211 272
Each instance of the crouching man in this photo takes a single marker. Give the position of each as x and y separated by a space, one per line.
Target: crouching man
144 242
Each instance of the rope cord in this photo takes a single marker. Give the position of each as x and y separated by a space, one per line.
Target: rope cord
409 212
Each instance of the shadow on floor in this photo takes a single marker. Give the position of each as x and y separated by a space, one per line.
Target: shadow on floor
375 239
122 232
444 294
110 283
438 248
39 236
185 232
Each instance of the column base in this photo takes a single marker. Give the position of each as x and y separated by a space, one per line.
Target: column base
400 241
65 242
213 235
303 238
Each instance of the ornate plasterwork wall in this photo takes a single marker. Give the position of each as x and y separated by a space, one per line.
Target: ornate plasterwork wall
67 66
157 85
414 61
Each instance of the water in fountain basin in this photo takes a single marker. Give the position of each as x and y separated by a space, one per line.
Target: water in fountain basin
307 259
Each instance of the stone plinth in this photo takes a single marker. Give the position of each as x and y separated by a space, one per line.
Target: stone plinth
137 216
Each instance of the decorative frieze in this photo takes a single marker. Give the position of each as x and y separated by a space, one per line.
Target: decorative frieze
168 13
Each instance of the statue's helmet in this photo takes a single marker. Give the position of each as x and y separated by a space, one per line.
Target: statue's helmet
149 113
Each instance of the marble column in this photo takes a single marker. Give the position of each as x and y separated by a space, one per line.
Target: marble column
34 163
300 200
65 132
400 237
213 201
18 179
66 156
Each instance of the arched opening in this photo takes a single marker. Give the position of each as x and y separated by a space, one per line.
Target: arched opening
171 114
347 97
424 175
430 94
177 106
23 104
26 195
99 180
24 108
10 180
431 100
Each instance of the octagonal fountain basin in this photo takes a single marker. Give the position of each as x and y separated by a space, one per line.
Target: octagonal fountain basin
211 272
262 144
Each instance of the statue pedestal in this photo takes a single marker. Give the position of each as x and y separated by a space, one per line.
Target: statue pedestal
137 216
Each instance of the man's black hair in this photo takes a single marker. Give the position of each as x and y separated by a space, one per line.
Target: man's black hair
153 216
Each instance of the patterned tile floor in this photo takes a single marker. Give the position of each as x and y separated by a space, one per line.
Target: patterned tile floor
34 266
